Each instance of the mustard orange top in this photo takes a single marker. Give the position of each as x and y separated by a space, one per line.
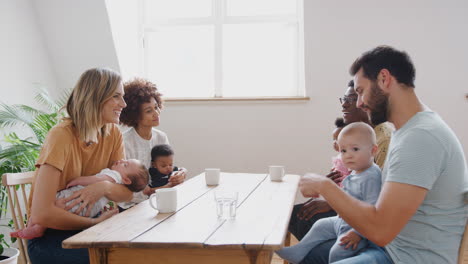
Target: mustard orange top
63 150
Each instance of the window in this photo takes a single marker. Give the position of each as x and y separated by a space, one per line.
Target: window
217 48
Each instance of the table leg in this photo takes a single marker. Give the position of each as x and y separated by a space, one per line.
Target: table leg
287 243
259 256
97 255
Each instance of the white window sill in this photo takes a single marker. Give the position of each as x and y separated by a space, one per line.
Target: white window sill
217 99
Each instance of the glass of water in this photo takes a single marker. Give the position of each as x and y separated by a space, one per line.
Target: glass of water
226 204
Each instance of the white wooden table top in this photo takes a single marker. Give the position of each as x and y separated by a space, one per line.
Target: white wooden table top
263 211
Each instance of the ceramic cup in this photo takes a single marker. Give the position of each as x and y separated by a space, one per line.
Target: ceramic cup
276 173
212 176
166 200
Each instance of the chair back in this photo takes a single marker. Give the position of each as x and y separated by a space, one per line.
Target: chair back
16 183
463 251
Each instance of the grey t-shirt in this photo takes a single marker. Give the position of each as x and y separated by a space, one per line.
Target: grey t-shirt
364 186
426 153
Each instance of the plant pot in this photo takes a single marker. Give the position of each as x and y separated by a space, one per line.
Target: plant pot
12 254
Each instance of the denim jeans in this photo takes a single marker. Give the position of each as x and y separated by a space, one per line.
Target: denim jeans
48 249
373 254
325 229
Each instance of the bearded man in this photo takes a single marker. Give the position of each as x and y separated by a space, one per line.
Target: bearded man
420 214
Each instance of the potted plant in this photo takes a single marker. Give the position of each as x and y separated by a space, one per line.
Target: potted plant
7 255
20 154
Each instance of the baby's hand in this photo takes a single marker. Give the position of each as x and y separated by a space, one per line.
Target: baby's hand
177 178
148 191
60 203
350 239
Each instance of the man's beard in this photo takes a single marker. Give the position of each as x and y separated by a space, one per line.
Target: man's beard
378 105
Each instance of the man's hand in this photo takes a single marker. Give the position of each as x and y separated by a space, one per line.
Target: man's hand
350 239
313 207
311 184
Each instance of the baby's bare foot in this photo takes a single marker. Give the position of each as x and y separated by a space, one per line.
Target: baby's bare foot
29 232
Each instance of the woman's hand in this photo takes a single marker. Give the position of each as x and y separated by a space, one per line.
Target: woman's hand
335 176
105 215
87 197
311 184
313 207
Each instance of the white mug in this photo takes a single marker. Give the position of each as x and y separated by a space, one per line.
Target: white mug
212 176
166 200
276 173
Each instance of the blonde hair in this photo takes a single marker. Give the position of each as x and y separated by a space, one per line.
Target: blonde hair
84 106
359 128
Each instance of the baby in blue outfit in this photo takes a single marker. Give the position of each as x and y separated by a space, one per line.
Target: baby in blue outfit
357 145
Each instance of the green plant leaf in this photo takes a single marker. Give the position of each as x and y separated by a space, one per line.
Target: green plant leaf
1 243
14 115
42 124
63 98
44 98
30 110
20 154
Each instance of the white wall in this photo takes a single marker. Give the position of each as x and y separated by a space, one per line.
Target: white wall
250 136
24 60
78 37
123 15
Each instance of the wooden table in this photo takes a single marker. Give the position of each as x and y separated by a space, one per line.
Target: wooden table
194 234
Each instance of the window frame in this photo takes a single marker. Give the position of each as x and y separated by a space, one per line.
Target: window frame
219 18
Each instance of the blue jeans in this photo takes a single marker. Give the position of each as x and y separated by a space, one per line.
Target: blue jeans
298 227
372 254
48 249
325 229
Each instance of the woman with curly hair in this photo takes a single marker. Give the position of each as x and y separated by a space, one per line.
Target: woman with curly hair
142 115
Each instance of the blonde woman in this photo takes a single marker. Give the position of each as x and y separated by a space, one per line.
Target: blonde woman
83 144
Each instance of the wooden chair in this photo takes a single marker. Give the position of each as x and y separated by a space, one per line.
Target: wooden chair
463 251
11 181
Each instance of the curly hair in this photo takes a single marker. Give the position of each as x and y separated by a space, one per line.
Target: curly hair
339 122
137 92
